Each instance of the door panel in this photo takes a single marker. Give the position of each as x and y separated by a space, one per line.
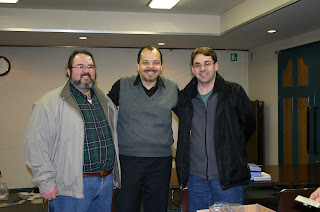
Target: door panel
287 75
303 107
303 76
287 137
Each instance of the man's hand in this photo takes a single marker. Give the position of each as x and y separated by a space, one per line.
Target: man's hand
315 195
51 194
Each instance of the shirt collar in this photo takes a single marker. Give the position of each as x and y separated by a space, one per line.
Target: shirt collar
159 81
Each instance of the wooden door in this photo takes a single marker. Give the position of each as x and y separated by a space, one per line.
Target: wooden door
298 95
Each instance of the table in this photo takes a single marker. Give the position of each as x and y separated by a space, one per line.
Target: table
25 207
299 175
284 177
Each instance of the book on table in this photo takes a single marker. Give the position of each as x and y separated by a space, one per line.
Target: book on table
255 174
254 167
264 177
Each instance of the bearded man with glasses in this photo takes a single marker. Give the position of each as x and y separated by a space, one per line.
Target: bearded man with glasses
215 121
71 143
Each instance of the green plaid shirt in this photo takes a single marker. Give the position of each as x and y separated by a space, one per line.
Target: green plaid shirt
98 144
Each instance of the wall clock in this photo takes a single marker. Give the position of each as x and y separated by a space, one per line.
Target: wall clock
4 66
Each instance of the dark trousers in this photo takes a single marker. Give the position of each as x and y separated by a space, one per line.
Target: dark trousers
144 178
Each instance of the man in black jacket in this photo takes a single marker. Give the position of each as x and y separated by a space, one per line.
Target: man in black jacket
215 121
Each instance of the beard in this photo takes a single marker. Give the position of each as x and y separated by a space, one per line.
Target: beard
83 86
149 79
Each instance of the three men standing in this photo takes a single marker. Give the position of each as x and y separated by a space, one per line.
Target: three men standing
71 143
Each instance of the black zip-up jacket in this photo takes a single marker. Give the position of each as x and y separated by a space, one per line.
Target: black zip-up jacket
234 124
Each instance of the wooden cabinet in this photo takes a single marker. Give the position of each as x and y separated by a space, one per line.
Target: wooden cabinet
255 145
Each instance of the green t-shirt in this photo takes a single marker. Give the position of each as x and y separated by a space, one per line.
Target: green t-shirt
205 97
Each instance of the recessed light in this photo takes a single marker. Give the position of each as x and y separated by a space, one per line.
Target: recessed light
163 4
161 44
83 38
9 1
272 31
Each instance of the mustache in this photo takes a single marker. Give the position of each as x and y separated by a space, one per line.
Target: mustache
150 70
86 74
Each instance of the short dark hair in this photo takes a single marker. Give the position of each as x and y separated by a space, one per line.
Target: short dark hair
207 51
79 51
151 48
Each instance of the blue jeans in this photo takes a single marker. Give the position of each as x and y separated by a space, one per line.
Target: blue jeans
97 197
204 193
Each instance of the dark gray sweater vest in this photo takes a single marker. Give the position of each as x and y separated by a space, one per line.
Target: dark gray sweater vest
144 123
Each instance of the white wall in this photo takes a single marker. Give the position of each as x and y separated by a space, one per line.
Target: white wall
263 83
37 70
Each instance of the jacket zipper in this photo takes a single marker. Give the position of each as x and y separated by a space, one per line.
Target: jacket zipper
205 143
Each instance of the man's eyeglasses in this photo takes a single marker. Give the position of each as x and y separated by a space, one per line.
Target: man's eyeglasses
205 64
82 67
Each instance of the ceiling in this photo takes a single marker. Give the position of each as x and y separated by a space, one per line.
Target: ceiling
209 7
298 18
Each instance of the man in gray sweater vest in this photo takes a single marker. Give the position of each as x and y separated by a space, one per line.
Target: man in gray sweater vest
145 135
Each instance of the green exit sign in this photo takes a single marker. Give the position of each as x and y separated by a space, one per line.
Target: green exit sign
234 57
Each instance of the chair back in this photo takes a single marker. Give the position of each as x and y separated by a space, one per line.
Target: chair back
113 206
288 204
184 200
